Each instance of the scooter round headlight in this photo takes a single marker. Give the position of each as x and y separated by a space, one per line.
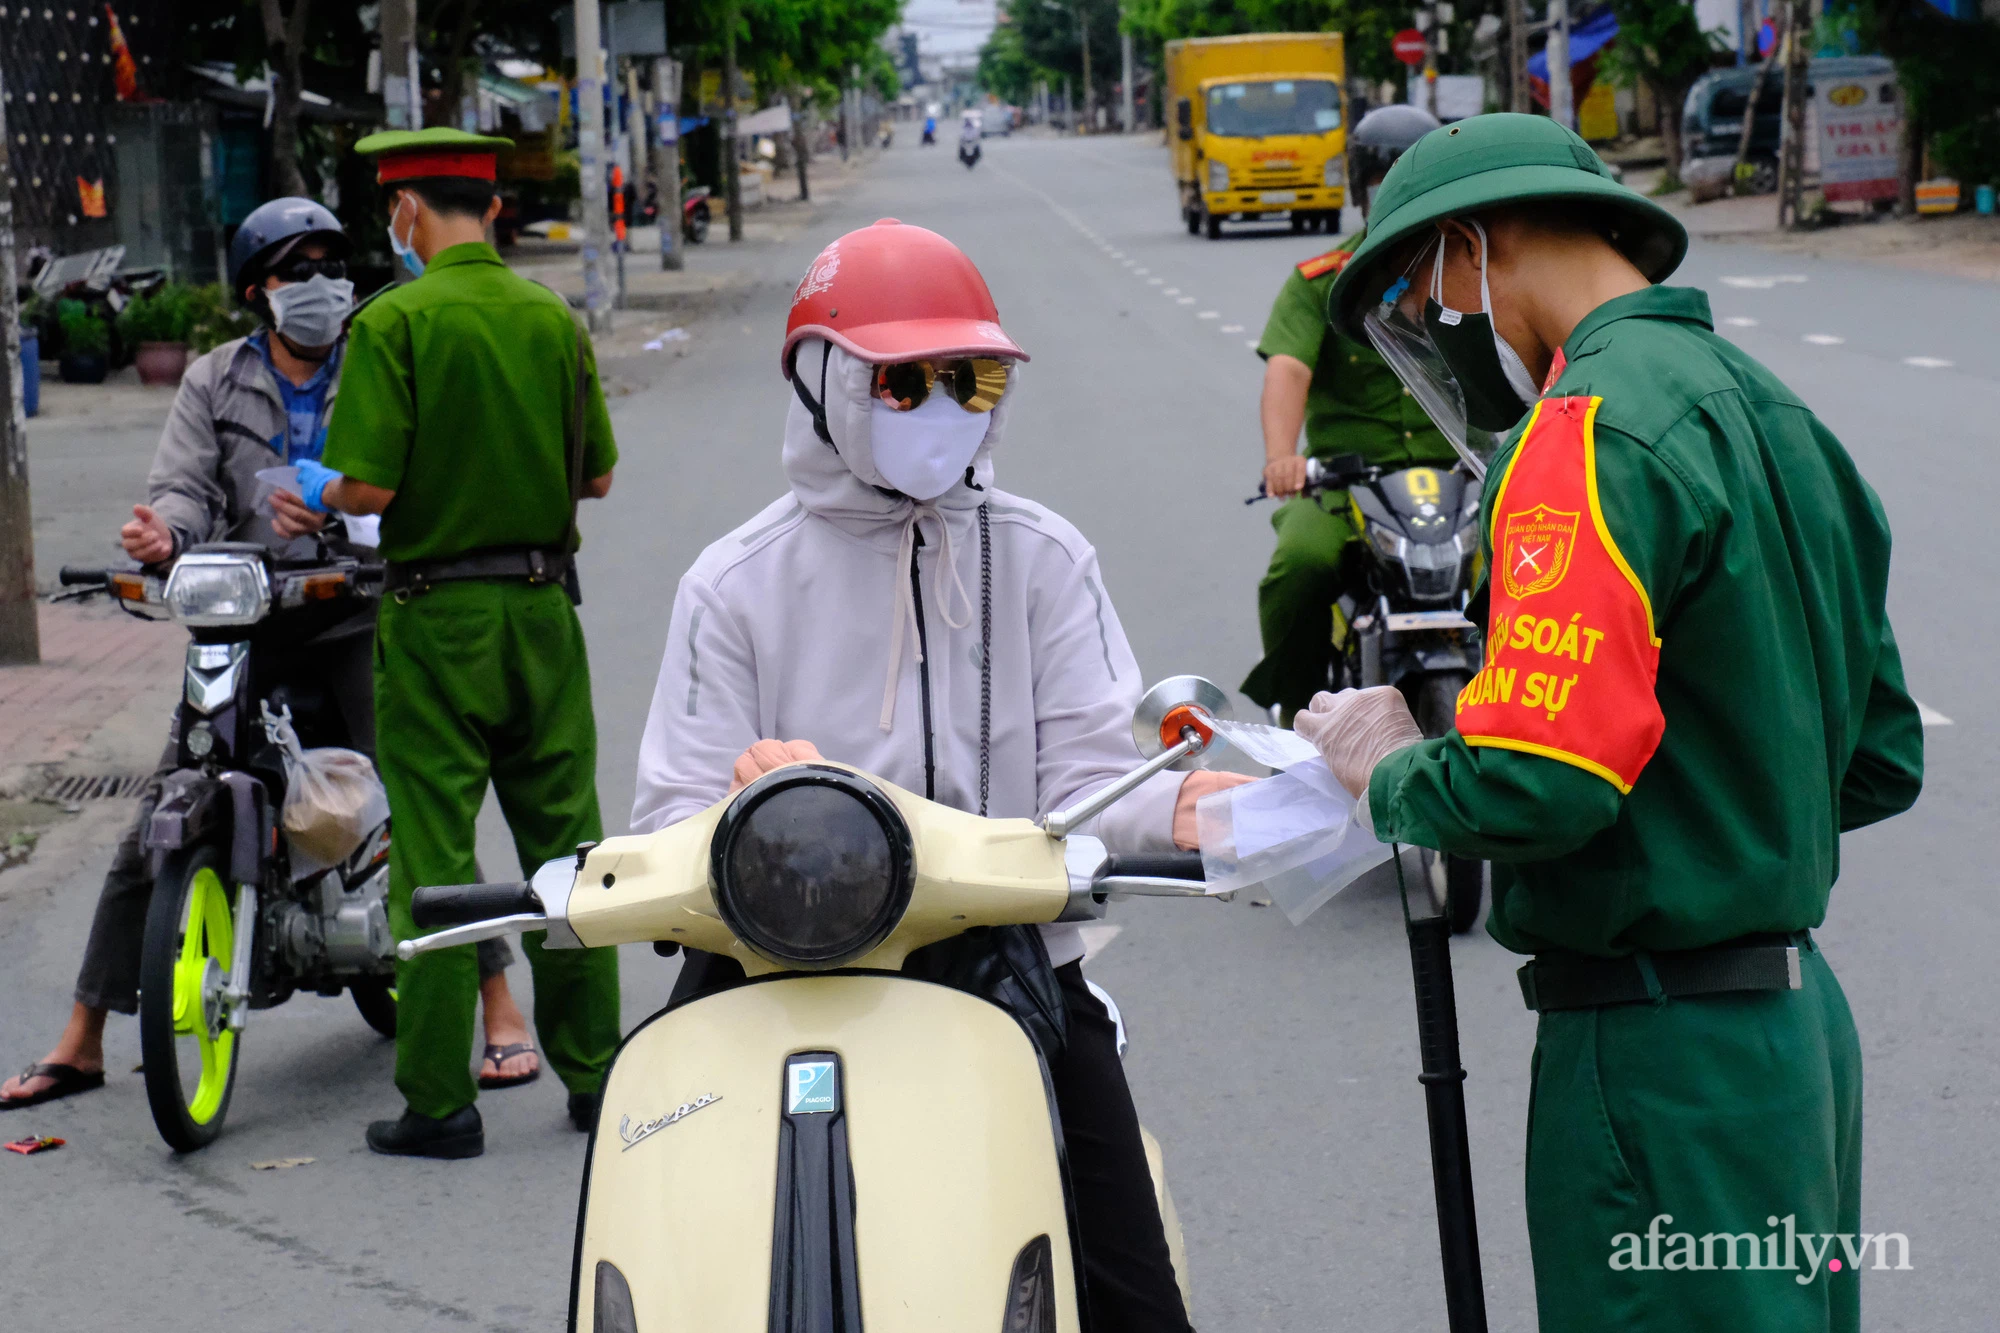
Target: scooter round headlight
813 866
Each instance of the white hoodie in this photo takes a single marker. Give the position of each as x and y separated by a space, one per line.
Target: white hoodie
783 630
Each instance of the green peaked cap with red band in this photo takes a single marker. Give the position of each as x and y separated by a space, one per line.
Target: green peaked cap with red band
1486 162
404 155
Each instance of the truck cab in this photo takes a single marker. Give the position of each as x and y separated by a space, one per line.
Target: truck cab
1260 130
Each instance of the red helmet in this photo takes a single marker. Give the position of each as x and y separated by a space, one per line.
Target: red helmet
894 292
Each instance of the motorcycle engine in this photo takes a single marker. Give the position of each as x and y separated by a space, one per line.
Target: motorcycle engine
339 926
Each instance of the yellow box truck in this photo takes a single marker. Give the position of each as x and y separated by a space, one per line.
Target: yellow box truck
1258 126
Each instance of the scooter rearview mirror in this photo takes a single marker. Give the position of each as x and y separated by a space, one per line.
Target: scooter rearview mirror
1171 706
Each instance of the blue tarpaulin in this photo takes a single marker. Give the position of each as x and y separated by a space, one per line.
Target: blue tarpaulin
1585 41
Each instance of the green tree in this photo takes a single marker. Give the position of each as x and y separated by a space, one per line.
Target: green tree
1661 45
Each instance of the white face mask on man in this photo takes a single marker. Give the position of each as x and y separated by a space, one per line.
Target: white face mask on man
924 452
311 313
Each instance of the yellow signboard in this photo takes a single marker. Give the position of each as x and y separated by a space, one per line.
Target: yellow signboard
1597 118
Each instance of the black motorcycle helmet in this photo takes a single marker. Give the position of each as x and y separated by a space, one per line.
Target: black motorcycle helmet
1379 138
273 230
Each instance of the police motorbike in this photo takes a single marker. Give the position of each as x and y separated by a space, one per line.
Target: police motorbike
834 1144
1403 622
239 920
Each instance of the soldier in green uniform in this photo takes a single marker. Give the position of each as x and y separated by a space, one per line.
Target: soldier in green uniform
1691 690
457 422
1349 402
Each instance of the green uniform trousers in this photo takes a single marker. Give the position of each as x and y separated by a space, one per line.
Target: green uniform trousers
1736 1120
1295 600
480 681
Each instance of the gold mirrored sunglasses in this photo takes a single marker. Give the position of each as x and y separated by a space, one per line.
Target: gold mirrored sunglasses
975 383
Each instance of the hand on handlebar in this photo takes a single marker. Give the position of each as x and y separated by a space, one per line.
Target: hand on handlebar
1194 786
764 756
147 538
1285 477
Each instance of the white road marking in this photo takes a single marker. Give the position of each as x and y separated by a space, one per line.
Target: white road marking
1930 716
1185 300
1825 339
1117 254
1154 282
1209 314
1232 328
1250 343
1740 322
1171 291
1142 271
1759 283
1928 362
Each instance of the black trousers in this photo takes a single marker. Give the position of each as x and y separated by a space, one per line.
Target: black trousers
109 976
1128 1274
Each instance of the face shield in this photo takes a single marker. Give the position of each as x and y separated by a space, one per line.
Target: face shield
1465 377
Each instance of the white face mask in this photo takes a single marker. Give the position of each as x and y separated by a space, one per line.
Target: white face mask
310 312
924 452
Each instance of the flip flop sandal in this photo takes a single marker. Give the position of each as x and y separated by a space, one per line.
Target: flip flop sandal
500 1055
69 1080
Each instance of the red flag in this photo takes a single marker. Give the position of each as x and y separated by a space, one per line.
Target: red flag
124 69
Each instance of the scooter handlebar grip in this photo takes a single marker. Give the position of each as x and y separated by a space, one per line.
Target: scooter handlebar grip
1163 865
72 575
463 904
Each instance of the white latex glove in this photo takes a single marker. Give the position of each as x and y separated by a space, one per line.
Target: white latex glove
1358 729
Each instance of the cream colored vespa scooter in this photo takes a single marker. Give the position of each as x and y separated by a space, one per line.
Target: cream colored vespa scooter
833 1146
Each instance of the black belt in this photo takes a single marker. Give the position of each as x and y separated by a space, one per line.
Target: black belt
1750 963
510 564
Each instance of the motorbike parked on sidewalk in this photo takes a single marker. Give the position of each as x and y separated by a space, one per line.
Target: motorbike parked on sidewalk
833 1143
239 920
1403 623
694 214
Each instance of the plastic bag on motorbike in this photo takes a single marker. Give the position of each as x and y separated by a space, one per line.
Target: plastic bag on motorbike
333 799
1294 834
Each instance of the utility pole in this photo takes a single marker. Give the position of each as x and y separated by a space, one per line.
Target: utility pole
1792 155
732 170
667 159
1562 97
402 89
1125 122
1083 40
20 635
1517 56
801 141
590 164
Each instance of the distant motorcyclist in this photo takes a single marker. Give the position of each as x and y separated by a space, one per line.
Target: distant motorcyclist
252 403
930 129
1000 683
970 132
1349 402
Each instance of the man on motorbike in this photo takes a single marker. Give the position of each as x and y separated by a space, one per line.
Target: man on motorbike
1006 683
254 403
1349 402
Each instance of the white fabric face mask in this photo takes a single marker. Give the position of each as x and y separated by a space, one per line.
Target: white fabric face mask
310 313
923 452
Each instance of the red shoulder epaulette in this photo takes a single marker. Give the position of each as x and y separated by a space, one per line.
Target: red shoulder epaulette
1331 262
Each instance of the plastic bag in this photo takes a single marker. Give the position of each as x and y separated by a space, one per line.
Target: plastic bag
1295 834
333 798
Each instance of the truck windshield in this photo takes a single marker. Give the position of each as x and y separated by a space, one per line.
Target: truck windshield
1281 106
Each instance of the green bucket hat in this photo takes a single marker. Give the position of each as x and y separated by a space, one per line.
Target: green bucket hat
1484 162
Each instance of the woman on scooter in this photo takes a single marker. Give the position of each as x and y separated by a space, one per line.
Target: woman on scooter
897 613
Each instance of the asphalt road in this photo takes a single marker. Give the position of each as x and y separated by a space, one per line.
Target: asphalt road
1277 1065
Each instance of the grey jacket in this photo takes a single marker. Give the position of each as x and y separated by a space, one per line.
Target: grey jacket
228 422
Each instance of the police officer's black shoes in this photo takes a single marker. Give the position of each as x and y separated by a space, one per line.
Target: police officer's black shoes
583 1110
460 1134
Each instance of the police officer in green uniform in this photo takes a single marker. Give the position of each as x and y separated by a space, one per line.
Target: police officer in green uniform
1349 402
457 422
1690 691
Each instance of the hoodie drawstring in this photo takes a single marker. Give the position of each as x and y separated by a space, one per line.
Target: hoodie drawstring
903 612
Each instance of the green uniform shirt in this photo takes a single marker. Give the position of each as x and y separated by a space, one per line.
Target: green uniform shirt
456 395
1356 405
1764 557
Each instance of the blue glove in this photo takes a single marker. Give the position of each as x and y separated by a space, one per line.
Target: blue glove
314 477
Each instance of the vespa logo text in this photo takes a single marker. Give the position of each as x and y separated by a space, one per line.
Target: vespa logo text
634 1135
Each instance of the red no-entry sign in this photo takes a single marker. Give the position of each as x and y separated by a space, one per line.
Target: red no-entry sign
1409 46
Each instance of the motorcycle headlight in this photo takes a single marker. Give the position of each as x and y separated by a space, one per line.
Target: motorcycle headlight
813 866
1218 175
1335 174
218 589
1390 543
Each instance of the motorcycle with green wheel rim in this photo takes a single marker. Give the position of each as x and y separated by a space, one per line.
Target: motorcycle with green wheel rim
240 919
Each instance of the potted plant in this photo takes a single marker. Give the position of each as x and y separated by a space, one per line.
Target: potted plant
86 340
214 318
157 322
